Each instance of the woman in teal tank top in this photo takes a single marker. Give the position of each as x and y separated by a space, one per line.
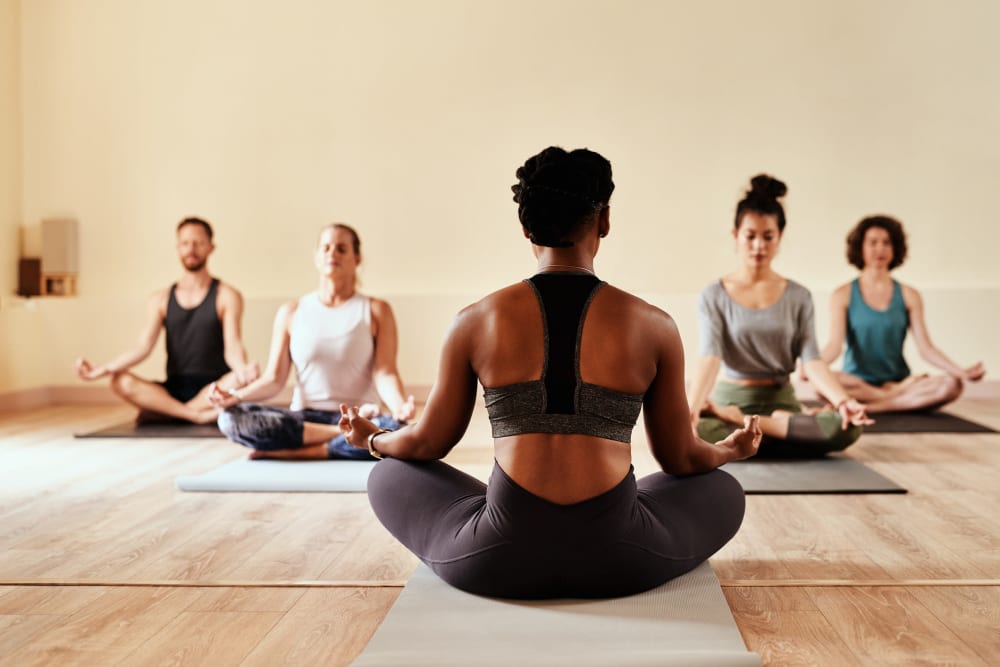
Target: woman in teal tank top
872 315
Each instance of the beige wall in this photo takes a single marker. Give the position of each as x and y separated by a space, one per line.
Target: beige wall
10 144
21 363
408 119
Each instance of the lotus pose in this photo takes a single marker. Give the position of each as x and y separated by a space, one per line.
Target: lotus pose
566 362
756 324
201 316
343 347
873 313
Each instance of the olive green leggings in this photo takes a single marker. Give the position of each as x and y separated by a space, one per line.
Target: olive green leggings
809 436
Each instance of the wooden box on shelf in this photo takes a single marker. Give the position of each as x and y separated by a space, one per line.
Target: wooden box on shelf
29 276
59 284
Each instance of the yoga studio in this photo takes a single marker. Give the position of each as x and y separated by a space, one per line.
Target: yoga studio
449 333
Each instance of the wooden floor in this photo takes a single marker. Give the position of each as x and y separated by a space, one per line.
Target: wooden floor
104 562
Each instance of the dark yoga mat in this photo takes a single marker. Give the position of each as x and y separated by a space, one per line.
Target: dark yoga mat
807 476
917 422
924 422
162 430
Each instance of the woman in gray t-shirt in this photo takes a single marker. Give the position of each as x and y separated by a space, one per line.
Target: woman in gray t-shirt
755 324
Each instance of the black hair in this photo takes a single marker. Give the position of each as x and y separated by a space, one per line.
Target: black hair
762 198
196 221
856 239
557 192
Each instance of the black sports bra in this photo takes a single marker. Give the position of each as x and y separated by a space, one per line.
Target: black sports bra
560 402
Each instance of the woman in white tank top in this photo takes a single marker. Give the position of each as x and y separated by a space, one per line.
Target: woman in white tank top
342 345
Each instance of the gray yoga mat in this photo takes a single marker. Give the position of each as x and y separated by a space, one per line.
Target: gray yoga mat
924 422
156 430
683 622
267 475
831 474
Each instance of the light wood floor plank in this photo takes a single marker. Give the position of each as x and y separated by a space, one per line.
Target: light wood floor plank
219 639
971 613
884 626
19 630
324 628
107 630
794 638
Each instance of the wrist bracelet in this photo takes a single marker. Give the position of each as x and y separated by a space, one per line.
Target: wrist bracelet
371 442
235 393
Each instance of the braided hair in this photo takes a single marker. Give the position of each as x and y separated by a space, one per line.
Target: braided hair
557 192
762 198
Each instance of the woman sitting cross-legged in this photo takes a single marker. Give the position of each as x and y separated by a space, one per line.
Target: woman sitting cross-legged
566 362
343 347
756 324
873 313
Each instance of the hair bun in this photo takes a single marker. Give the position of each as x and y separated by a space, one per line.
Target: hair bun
767 186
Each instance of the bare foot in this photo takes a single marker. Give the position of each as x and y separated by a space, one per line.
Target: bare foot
207 415
893 387
731 414
248 374
368 411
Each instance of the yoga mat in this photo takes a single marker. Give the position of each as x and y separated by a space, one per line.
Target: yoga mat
267 475
683 622
804 476
924 422
153 430
918 422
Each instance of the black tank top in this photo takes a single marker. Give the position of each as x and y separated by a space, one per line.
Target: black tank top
194 337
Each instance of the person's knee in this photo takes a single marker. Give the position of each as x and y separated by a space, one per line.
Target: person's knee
951 388
235 422
227 422
383 478
123 384
729 494
845 437
385 482
821 434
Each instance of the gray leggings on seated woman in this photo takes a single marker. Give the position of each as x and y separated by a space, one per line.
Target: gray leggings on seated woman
809 436
503 541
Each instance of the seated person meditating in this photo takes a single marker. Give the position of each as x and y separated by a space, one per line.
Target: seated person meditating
872 313
756 324
343 347
201 316
563 514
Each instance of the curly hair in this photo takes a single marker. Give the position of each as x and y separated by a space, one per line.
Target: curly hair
856 239
762 197
558 191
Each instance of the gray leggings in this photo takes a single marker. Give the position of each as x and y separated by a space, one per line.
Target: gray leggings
502 541
809 436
